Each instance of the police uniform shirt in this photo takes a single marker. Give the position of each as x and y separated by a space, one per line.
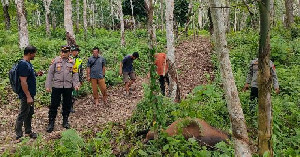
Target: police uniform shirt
253 72
61 74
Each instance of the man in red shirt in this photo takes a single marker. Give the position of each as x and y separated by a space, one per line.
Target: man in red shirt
162 70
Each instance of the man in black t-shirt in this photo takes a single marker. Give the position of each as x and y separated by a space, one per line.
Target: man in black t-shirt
27 77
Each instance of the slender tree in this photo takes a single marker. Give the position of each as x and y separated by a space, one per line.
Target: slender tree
68 23
175 92
289 13
5 5
162 8
22 24
188 21
133 19
239 129
77 17
84 19
150 24
120 11
264 82
47 4
53 21
112 15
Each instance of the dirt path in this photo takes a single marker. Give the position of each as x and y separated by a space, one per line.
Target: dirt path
86 116
193 62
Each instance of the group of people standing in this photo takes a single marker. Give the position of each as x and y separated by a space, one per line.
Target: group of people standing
65 77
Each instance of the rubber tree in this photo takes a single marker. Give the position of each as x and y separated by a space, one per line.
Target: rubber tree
121 16
133 19
77 16
5 6
174 86
84 19
47 4
289 13
237 119
68 23
150 24
264 82
22 24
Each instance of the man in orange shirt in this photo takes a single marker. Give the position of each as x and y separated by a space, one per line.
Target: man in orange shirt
162 70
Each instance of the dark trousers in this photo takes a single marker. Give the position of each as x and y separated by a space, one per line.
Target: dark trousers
253 99
163 80
24 117
56 94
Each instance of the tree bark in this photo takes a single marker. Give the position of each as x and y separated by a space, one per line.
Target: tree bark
174 86
264 82
289 13
239 129
53 21
38 18
47 4
272 12
93 18
112 15
68 23
150 24
162 14
133 19
78 17
5 5
120 10
84 19
22 24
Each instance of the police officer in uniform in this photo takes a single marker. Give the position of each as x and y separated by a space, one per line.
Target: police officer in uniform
252 80
78 69
61 79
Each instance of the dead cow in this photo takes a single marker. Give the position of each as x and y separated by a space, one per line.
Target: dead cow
194 128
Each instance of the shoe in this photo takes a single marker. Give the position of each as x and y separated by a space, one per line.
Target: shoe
66 123
32 135
50 126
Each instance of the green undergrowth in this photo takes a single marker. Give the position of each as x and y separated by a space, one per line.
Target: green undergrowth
206 102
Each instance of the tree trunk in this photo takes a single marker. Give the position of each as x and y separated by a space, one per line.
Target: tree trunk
93 18
200 21
133 19
162 14
22 24
38 18
78 17
174 86
84 19
5 5
151 30
272 12
102 16
112 15
68 23
239 129
119 3
264 82
235 20
53 21
188 21
289 13
47 4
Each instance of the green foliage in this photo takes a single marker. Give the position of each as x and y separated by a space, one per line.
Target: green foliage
285 55
181 11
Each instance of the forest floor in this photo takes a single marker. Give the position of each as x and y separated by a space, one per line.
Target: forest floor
193 58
